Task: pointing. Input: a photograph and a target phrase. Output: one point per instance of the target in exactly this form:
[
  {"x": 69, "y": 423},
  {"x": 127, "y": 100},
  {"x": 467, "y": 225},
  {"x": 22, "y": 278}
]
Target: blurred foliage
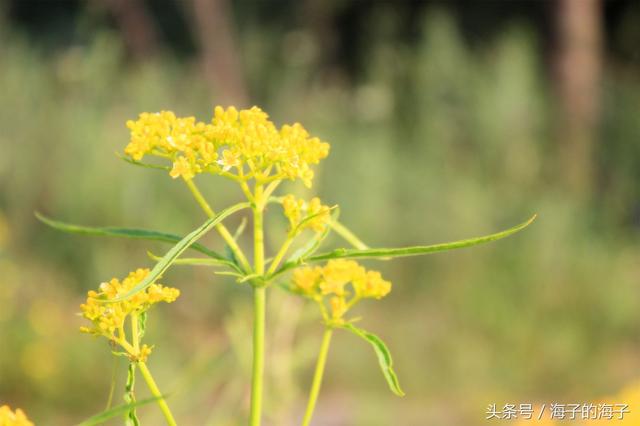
[{"x": 434, "y": 142}]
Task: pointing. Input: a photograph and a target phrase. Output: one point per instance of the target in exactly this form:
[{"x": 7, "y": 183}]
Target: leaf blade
[
  {"x": 167, "y": 260},
  {"x": 140, "y": 163},
  {"x": 418, "y": 250},
  {"x": 198, "y": 261},
  {"x": 115, "y": 411},
  {"x": 384, "y": 356},
  {"x": 133, "y": 233}
]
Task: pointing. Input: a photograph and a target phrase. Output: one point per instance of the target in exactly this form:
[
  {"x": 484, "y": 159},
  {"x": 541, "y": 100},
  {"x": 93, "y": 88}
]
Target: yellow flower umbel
[
  {"x": 241, "y": 145},
  {"x": 302, "y": 215},
  {"x": 329, "y": 287},
  {"x": 13, "y": 418},
  {"x": 108, "y": 319}
]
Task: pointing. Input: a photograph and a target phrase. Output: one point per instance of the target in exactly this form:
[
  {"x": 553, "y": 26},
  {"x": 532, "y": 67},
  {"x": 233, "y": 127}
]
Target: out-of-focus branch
[
  {"x": 214, "y": 30},
  {"x": 578, "y": 66},
  {"x": 136, "y": 25}
]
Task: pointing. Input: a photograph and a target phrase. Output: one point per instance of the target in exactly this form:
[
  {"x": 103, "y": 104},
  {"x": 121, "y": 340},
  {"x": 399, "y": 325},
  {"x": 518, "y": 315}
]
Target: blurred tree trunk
[
  {"x": 578, "y": 67},
  {"x": 136, "y": 25},
  {"x": 214, "y": 30}
]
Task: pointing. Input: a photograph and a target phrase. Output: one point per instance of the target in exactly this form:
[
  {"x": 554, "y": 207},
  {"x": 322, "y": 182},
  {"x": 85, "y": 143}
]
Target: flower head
[
  {"x": 107, "y": 318},
  {"x": 13, "y": 418},
  {"x": 313, "y": 215},
  {"x": 241, "y": 144},
  {"x": 329, "y": 285}
]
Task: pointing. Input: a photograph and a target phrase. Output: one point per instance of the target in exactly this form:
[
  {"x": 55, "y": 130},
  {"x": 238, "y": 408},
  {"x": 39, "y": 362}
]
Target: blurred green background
[{"x": 446, "y": 120}]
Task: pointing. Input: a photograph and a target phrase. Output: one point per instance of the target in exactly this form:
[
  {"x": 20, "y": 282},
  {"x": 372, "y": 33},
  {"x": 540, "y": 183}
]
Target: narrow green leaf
[
  {"x": 240, "y": 229},
  {"x": 309, "y": 218},
  {"x": 384, "y": 356},
  {"x": 130, "y": 418},
  {"x": 198, "y": 261},
  {"x": 142, "y": 324},
  {"x": 135, "y": 233},
  {"x": 141, "y": 164},
  {"x": 314, "y": 243},
  {"x": 417, "y": 250},
  {"x": 115, "y": 412},
  {"x": 173, "y": 254},
  {"x": 387, "y": 253}
]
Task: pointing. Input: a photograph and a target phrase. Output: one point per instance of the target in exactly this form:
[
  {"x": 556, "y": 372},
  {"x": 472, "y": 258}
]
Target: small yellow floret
[
  {"x": 250, "y": 144},
  {"x": 332, "y": 282},
  {"x": 306, "y": 279},
  {"x": 145, "y": 351},
  {"x": 303, "y": 215},
  {"x": 108, "y": 317}
]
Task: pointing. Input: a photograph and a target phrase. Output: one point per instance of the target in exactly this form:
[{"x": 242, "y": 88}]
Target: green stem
[
  {"x": 317, "y": 376},
  {"x": 224, "y": 232},
  {"x": 276, "y": 260},
  {"x": 345, "y": 233},
  {"x": 258, "y": 355},
  {"x": 259, "y": 312},
  {"x": 153, "y": 387}
]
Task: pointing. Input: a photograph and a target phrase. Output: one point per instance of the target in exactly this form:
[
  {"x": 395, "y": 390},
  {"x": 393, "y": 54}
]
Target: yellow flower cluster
[
  {"x": 241, "y": 144},
  {"x": 107, "y": 318},
  {"x": 331, "y": 281},
  {"x": 11, "y": 418},
  {"x": 303, "y": 215}
]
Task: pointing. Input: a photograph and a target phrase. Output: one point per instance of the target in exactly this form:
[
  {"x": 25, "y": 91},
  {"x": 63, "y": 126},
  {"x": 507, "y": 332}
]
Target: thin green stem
[
  {"x": 153, "y": 387},
  {"x": 317, "y": 376},
  {"x": 270, "y": 188},
  {"x": 135, "y": 334},
  {"x": 283, "y": 250},
  {"x": 258, "y": 355},
  {"x": 345, "y": 233},
  {"x": 259, "y": 312},
  {"x": 112, "y": 387},
  {"x": 224, "y": 232}
]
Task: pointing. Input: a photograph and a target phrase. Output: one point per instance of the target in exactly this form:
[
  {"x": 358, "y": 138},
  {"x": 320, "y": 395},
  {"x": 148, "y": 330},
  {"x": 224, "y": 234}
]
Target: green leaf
[
  {"x": 115, "y": 412},
  {"x": 110, "y": 231},
  {"x": 130, "y": 418},
  {"x": 142, "y": 325},
  {"x": 417, "y": 250},
  {"x": 141, "y": 164},
  {"x": 314, "y": 243},
  {"x": 173, "y": 254},
  {"x": 199, "y": 261},
  {"x": 240, "y": 229},
  {"x": 386, "y": 253},
  {"x": 384, "y": 356}
]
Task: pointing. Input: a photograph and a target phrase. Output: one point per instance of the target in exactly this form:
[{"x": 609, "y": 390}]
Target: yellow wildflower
[
  {"x": 145, "y": 351},
  {"x": 182, "y": 167},
  {"x": 337, "y": 273},
  {"x": 306, "y": 280},
  {"x": 303, "y": 215},
  {"x": 372, "y": 285},
  {"x": 108, "y": 317},
  {"x": 332, "y": 280},
  {"x": 248, "y": 141},
  {"x": 13, "y": 418}
]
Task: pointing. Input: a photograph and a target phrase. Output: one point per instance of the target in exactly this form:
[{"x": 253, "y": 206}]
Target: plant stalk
[
  {"x": 153, "y": 387},
  {"x": 259, "y": 312},
  {"x": 317, "y": 376},
  {"x": 222, "y": 230},
  {"x": 283, "y": 250}
]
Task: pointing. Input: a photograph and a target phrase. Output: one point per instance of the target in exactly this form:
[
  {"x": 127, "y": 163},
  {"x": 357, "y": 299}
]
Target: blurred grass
[{"x": 431, "y": 144}]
